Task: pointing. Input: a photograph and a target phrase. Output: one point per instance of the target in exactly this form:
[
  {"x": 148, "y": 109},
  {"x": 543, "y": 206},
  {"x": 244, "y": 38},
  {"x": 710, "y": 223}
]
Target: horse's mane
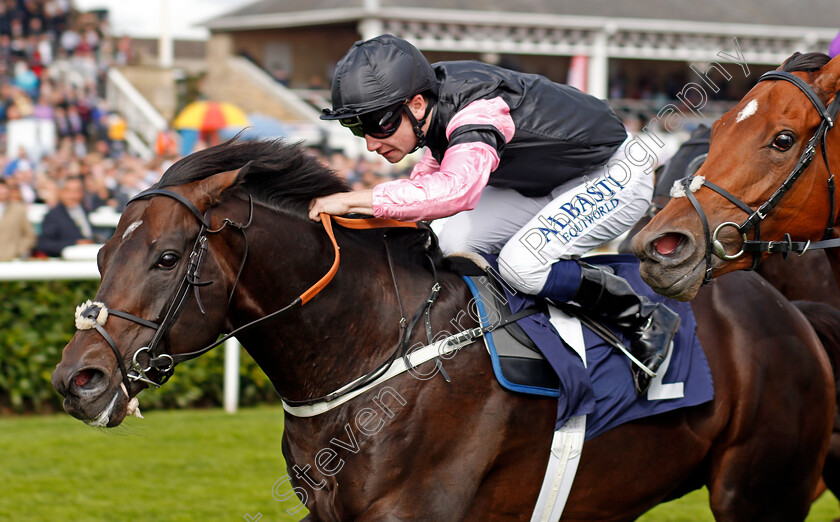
[
  {"x": 281, "y": 175},
  {"x": 286, "y": 178},
  {"x": 807, "y": 62}
]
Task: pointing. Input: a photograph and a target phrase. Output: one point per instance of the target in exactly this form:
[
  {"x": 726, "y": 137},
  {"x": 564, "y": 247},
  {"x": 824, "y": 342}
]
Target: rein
[
  {"x": 94, "y": 315},
  {"x": 755, "y": 246}
]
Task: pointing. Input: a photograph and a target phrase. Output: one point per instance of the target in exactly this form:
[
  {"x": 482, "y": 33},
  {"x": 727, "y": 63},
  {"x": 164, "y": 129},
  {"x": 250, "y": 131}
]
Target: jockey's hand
[{"x": 357, "y": 201}]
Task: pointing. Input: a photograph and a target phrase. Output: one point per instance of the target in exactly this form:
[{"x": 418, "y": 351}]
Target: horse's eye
[
  {"x": 783, "y": 141},
  {"x": 167, "y": 260}
]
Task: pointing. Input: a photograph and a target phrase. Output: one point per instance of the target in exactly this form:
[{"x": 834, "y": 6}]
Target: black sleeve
[{"x": 478, "y": 133}]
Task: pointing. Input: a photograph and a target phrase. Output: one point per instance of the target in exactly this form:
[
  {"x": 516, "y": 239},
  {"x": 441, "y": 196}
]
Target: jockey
[{"x": 529, "y": 169}]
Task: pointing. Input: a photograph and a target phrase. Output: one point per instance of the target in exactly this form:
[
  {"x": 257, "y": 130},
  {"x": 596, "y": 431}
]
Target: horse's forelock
[{"x": 808, "y": 62}]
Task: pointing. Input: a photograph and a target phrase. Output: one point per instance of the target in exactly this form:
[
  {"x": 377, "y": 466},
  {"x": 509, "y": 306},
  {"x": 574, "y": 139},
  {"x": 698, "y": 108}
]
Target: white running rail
[{"x": 75, "y": 270}]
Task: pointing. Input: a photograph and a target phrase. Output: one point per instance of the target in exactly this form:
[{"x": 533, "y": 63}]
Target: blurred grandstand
[{"x": 77, "y": 100}]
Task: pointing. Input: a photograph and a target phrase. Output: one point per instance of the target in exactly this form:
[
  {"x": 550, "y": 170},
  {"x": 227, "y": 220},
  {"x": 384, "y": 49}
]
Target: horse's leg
[
  {"x": 766, "y": 482},
  {"x": 766, "y": 464}
]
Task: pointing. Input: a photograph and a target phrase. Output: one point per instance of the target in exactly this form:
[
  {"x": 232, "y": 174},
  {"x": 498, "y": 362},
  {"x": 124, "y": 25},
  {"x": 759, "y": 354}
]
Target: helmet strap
[{"x": 417, "y": 125}]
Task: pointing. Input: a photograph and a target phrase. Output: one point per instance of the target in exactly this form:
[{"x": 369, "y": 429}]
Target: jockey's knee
[
  {"x": 457, "y": 236},
  {"x": 522, "y": 272}
]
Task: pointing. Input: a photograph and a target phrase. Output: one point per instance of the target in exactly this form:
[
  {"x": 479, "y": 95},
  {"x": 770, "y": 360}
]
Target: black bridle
[
  {"x": 164, "y": 363},
  {"x": 160, "y": 362},
  {"x": 755, "y": 246}
]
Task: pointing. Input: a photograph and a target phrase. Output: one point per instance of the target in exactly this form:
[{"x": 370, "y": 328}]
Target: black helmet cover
[{"x": 378, "y": 73}]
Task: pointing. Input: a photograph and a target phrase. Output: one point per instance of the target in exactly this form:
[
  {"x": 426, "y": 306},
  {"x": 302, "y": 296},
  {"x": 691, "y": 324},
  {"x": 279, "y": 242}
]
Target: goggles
[{"x": 378, "y": 124}]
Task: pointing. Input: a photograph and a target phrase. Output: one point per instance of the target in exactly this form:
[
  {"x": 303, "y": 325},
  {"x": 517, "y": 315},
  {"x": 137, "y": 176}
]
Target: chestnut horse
[
  {"x": 223, "y": 244},
  {"x": 768, "y": 174},
  {"x": 805, "y": 277}
]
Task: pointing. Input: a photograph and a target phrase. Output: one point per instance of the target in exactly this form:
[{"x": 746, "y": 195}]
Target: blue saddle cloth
[{"x": 603, "y": 389}]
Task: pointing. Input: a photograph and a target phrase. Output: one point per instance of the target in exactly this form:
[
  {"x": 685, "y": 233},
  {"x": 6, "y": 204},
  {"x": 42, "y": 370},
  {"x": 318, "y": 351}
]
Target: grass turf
[{"x": 181, "y": 466}]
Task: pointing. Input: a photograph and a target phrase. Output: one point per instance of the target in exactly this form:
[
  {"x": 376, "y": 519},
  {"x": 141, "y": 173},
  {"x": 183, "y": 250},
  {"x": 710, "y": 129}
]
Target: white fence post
[{"x": 231, "y": 375}]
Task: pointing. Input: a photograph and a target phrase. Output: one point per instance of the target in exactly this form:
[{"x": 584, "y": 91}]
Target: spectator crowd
[
  {"x": 52, "y": 66},
  {"x": 53, "y": 62}
]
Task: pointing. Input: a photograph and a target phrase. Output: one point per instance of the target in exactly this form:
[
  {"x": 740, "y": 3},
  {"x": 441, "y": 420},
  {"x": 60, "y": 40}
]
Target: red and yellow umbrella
[{"x": 209, "y": 116}]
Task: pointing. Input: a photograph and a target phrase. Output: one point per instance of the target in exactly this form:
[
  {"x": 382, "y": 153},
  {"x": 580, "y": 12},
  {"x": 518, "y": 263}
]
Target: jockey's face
[{"x": 396, "y": 146}]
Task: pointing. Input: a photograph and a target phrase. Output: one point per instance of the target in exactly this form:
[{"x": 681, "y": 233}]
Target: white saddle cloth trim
[
  {"x": 566, "y": 447},
  {"x": 570, "y": 331},
  {"x": 658, "y": 390}
]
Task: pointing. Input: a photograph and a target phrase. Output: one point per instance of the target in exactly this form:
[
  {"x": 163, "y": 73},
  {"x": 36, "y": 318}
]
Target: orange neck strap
[{"x": 356, "y": 224}]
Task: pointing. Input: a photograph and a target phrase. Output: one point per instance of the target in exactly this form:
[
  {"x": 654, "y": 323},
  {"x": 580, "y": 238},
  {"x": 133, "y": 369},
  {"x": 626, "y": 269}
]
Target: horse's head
[
  {"x": 755, "y": 152},
  {"x": 156, "y": 272}
]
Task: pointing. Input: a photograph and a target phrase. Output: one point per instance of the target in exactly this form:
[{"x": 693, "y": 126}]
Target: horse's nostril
[
  {"x": 88, "y": 379},
  {"x": 82, "y": 377},
  {"x": 667, "y": 244}
]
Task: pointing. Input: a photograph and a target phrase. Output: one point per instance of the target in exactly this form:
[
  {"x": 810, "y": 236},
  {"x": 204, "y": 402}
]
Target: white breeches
[{"x": 530, "y": 234}]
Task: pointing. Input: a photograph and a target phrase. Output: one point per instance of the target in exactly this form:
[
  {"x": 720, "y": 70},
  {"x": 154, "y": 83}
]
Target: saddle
[
  {"x": 582, "y": 367},
  {"x": 517, "y": 362}
]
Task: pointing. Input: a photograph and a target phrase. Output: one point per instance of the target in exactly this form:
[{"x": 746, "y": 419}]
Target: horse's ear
[
  {"x": 214, "y": 187},
  {"x": 829, "y": 79}
]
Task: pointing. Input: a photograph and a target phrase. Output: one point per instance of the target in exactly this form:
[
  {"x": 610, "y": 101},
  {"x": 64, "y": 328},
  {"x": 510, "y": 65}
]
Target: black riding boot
[{"x": 651, "y": 326}]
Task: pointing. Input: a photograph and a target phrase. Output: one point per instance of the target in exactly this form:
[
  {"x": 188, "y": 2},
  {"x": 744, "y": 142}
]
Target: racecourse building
[{"x": 642, "y": 55}]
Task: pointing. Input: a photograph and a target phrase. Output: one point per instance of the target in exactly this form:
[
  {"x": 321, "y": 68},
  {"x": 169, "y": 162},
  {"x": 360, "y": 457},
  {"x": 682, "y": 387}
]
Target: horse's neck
[
  {"x": 345, "y": 331},
  {"x": 832, "y": 149}
]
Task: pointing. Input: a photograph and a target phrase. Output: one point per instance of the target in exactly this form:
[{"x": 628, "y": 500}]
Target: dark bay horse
[{"x": 226, "y": 240}]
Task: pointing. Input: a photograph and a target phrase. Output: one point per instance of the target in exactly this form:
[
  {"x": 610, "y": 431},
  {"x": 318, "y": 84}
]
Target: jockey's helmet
[{"x": 374, "y": 81}]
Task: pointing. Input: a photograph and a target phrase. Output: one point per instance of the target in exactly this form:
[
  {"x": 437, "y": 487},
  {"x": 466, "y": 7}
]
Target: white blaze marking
[
  {"x": 131, "y": 228},
  {"x": 748, "y": 111}
]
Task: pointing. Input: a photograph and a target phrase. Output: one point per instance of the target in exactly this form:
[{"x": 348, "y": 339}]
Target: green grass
[
  {"x": 181, "y": 466},
  {"x": 694, "y": 507},
  {"x": 173, "y": 465}
]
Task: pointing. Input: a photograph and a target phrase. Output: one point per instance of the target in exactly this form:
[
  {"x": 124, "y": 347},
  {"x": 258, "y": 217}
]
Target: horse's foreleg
[{"x": 765, "y": 479}]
